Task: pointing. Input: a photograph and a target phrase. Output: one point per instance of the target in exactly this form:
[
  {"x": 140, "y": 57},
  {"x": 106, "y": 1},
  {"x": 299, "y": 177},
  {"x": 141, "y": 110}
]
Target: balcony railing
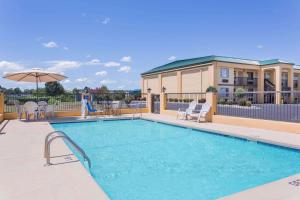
[{"x": 245, "y": 81}]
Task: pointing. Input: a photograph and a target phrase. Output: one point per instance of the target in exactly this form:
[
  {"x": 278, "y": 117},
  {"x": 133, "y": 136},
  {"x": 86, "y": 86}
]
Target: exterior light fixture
[
  {"x": 163, "y": 89},
  {"x": 149, "y": 90}
]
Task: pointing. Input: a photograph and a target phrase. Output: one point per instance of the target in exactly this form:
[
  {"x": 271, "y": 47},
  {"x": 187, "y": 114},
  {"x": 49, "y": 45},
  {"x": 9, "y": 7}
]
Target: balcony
[{"x": 245, "y": 81}]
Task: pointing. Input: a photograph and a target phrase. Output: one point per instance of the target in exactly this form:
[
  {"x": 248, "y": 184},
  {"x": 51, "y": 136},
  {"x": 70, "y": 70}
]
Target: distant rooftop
[{"x": 207, "y": 59}]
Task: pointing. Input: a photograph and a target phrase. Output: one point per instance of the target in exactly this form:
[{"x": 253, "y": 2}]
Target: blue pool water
[{"x": 138, "y": 159}]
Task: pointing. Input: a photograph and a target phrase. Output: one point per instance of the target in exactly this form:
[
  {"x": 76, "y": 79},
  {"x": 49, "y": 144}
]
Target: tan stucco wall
[
  {"x": 198, "y": 77},
  {"x": 169, "y": 81},
  {"x": 151, "y": 82},
  {"x": 258, "y": 123}
]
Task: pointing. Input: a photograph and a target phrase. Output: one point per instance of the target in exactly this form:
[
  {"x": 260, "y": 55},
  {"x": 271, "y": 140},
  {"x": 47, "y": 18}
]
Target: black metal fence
[
  {"x": 280, "y": 106},
  {"x": 182, "y": 101}
]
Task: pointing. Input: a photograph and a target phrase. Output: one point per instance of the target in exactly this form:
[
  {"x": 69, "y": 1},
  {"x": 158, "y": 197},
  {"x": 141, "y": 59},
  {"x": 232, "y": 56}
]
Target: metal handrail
[{"x": 65, "y": 137}]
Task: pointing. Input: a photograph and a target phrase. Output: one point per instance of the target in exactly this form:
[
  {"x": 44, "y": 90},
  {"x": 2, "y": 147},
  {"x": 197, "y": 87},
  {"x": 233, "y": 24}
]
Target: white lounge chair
[
  {"x": 183, "y": 114},
  {"x": 31, "y": 108},
  {"x": 202, "y": 115}
]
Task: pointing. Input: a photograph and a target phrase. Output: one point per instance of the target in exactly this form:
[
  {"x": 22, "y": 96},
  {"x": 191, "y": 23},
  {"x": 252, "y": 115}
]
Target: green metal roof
[{"x": 207, "y": 59}]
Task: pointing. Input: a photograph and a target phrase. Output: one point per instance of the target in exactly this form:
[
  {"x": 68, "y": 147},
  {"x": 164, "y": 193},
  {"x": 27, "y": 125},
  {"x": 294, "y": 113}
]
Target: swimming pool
[{"x": 139, "y": 159}]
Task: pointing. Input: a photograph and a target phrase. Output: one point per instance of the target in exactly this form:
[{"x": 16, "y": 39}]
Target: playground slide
[{"x": 90, "y": 108}]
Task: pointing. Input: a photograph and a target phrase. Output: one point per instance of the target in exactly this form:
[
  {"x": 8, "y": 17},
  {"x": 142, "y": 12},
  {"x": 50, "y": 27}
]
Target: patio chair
[
  {"x": 202, "y": 115},
  {"x": 183, "y": 114},
  {"x": 116, "y": 107},
  {"x": 18, "y": 109},
  {"x": 42, "y": 109},
  {"x": 31, "y": 108}
]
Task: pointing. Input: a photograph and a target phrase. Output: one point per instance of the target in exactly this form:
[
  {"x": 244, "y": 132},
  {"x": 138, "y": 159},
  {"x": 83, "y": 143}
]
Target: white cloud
[
  {"x": 82, "y": 80},
  {"x": 63, "y": 65},
  {"x": 107, "y": 81},
  {"x": 101, "y": 73},
  {"x": 126, "y": 59},
  {"x": 112, "y": 64},
  {"x": 172, "y": 58},
  {"x": 50, "y": 44},
  {"x": 10, "y": 66},
  {"x": 94, "y": 62},
  {"x": 66, "y": 81},
  {"x": 106, "y": 20},
  {"x": 260, "y": 46},
  {"x": 125, "y": 69},
  {"x": 66, "y": 48}
]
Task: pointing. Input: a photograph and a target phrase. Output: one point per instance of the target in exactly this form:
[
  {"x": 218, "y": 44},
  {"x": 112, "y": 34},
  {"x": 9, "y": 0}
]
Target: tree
[
  {"x": 17, "y": 91},
  {"x": 54, "y": 88}
]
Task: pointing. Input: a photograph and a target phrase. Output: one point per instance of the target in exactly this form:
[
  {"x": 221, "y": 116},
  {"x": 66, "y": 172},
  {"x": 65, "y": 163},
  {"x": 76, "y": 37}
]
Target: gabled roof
[{"x": 207, "y": 59}]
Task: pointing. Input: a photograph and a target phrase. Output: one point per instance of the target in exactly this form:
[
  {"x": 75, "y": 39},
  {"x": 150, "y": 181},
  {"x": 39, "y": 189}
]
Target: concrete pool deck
[{"x": 24, "y": 174}]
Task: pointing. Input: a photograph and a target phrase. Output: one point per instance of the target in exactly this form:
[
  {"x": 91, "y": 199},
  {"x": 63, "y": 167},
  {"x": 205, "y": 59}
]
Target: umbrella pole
[{"x": 37, "y": 89}]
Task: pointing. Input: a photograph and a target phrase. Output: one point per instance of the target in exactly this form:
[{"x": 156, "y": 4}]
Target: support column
[
  {"x": 1, "y": 107},
  {"x": 149, "y": 102},
  {"x": 179, "y": 82},
  {"x": 278, "y": 80},
  {"x": 261, "y": 85},
  {"x": 211, "y": 98},
  {"x": 163, "y": 102},
  {"x": 159, "y": 82},
  {"x": 291, "y": 83},
  {"x": 212, "y": 74}
]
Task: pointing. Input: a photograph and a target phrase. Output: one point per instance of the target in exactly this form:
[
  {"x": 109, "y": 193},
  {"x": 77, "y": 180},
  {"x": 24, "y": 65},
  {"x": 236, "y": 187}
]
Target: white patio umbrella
[{"x": 35, "y": 75}]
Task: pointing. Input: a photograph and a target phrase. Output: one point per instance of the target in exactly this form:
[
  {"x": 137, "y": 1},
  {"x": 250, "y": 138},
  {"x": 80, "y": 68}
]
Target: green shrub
[
  {"x": 175, "y": 100},
  {"x": 201, "y": 100},
  {"x": 222, "y": 101},
  {"x": 53, "y": 101},
  {"x": 239, "y": 92},
  {"x": 242, "y": 103},
  {"x": 171, "y": 100},
  {"x": 211, "y": 89},
  {"x": 248, "y": 103},
  {"x": 230, "y": 102}
]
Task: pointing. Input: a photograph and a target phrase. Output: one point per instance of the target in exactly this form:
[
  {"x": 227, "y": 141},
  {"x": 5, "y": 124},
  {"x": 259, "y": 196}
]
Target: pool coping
[{"x": 229, "y": 134}]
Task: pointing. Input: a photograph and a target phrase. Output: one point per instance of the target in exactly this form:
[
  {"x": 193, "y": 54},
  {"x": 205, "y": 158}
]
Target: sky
[{"x": 95, "y": 42}]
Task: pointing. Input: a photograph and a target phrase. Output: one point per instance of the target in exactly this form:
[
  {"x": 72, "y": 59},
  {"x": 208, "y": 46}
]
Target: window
[
  {"x": 296, "y": 80},
  {"x": 224, "y": 73},
  {"x": 224, "y": 92}
]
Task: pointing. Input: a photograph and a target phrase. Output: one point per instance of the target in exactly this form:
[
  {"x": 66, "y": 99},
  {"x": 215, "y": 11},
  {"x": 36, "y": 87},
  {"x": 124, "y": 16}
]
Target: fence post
[
  {"x": 163, "y": 101},
  {"x": 149, "y": 102},
  {"x": 1, "y": 107},
  {"x": 211, "y": 97}
]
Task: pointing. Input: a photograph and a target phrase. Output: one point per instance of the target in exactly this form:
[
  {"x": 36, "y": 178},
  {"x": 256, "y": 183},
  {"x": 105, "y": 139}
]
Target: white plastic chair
[
  {"x": 116, "y": 107},
  {"x": 203, "y": 112},
  {"x": 42, "y": 109},
  {"x": 18, "y": 109},
  {"x": 31, "y": 108},
  {"x": 188, "y": 111}
]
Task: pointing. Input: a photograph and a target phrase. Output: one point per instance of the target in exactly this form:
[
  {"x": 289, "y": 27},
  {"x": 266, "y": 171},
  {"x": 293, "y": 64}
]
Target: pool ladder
[{"x": 60, "y": 134}]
